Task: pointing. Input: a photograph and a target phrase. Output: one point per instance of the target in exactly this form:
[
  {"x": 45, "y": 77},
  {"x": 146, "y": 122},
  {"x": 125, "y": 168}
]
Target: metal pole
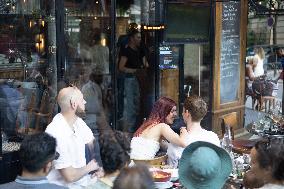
[{"x": 114, "y": 65}]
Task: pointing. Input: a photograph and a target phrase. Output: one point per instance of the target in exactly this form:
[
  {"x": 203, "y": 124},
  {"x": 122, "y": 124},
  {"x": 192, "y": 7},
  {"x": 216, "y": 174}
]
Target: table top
[{"x": 267, "y": 127}]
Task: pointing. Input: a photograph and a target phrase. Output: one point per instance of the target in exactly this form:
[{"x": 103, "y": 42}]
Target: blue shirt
[{"x": 31, "y": 183}]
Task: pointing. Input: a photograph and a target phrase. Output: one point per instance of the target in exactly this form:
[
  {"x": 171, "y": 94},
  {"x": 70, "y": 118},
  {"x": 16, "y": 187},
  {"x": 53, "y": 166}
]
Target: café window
[{"x": 27, "y": 68}]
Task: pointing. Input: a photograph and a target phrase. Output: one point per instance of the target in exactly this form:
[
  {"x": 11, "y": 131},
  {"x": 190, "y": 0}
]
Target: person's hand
[
  {"x": 183, "y": 131},
  {"x": 99, "y": 173},
  {"x": 232, "y": 187},
  {"x": 92, "y": 166}
]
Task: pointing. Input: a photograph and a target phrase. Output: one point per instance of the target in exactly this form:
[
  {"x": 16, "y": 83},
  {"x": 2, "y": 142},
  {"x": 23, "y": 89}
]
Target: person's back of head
[
  {"x": 36, "y": 151},
  {"x": 114, "y": 150},
  {"x": 68, "y": 97},
  {"x": 270, "y": 156},
  {"x": 196, "y": 106},
  {"x": 136, "y": 177},
  {"x": 260, "y": 52}
]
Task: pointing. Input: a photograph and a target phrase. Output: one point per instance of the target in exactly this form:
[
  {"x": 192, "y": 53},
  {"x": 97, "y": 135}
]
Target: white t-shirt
[
  {"x": 272, "y": 186},
  {"x": 174, "y": 152},
  {"x": 70, "y": 146}
]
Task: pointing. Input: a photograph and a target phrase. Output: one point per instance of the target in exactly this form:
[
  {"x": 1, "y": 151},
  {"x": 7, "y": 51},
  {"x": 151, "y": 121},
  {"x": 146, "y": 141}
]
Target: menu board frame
[{"x": 217, "y": 104}]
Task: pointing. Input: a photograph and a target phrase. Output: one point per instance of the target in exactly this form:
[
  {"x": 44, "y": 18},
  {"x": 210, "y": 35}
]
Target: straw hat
[{"x": 204, "y": 165}]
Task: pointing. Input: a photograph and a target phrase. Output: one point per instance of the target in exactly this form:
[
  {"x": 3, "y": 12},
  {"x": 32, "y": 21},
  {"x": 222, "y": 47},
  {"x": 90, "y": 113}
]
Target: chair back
[{"x": 230, "y": 120}]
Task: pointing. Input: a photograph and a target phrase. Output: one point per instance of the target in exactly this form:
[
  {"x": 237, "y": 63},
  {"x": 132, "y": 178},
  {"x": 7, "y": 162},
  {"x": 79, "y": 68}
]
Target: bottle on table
[{"x": 227, "y": 140}]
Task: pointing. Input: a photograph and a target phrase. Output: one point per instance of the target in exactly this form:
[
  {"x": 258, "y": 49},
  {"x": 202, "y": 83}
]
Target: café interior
[{"x": 48, "y": 45}]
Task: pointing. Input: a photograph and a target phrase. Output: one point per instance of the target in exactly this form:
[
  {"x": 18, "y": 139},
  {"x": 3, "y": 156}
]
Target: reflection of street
[
  {"x": 280, "y": 90},
  {"x": 253, "y": 115},
  {"x": 270, "y": 74}
]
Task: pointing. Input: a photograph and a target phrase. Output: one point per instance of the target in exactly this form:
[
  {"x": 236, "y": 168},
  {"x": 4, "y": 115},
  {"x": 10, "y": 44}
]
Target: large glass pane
[
  {"x": 264, "y": 69},
  {"x": 135, "y": 82},
  {"x": 169, "y": 66},
  {"x": 27, "y": 68},
  {"x": 87, "y": 39},
  {"x": 197, "y": 70}
]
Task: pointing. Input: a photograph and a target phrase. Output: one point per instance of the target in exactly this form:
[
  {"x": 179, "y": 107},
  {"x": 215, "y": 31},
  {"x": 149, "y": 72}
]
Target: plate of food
[
  {"x": 161, "y": 176},
  {"x": 163, "y": 185},
  {"x": 173, "y": 172}
]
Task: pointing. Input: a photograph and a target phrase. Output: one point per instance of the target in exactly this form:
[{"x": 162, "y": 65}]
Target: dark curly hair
[
  {"x": 196, "y": 106},
  {"x": 136, "y": 177},
  {"x": 271, "y": 154},
  {"x": 114, "y": 150},
  {"x": 160, "y": 111},
  {"x": 36, "y": 151}
]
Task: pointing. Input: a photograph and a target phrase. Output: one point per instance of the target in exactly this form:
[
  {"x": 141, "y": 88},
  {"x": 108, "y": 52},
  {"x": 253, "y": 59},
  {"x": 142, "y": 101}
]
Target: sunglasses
[{"x": 56, "y": 156}]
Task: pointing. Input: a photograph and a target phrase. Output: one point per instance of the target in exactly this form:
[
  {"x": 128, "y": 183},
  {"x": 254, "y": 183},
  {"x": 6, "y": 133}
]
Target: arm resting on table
[{"x": 71, "y": 174}]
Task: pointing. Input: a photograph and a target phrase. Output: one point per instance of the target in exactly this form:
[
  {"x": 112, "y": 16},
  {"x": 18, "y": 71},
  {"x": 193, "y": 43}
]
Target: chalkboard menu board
[
  {"x": 230, "y": 52},
  {"x": 169, "y": 56}
]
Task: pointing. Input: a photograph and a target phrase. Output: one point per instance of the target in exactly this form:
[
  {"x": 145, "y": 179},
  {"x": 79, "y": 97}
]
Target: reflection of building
[{"x": 260, "y": 33}]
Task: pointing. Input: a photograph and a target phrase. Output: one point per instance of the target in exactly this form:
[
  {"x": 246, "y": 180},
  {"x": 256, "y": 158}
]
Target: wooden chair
[
  {"x": 239, "y": 145},
  {"x": 250, "y": 93},
  {"x": 268, "y": 101},
  {"x": 44, "y": 112},
  {"x": 26, "y": 120}
]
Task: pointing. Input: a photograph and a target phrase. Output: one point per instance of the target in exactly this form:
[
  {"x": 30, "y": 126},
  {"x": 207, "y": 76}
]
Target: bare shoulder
[{"x": 163, "y": 125}]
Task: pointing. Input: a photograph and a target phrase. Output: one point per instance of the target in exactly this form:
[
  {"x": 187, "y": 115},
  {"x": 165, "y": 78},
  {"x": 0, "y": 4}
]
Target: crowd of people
[
  {"x": 87, "y": 153},
  {"x": 57, "y": 158}
]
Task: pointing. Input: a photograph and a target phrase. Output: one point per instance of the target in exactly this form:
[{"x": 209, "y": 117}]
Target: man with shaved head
[{"x": 72, "y": 134}]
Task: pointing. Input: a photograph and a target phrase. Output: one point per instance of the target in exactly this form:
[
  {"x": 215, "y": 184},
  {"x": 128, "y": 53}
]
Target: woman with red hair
[{"x": 146, "y": 141}]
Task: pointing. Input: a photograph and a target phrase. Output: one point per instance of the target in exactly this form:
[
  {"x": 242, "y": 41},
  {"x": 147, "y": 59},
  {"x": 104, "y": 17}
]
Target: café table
[
  {"x": 268, "y": 127},
  {"x": 174, "y": 182}
]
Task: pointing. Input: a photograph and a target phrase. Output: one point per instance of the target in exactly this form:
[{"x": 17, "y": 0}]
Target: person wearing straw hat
[{"x": 204, "y": 165}]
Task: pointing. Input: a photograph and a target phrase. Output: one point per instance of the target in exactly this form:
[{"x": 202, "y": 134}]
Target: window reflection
[
  {"x": 87, "y": 38},
  {"x": 197, "y": 70},
  {"x": 27, "y": 90}
]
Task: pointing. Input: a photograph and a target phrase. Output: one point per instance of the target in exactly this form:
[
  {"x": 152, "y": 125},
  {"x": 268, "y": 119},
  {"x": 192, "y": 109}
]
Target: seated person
[
  {"x": 267, "y": 165},
  {"x": 72, "y": 135},
  {"x": 136, "y": 177},
  {"x": 257, "y": 84},
  {"x": 204, "y": 165},
  {"x": 249, "y": 76},
  {"x": 194, "y": 109},
  {"x": 36, "y": 155},
  {"x": 114, "y": 149},
  {"x": 146, "y": 141}
]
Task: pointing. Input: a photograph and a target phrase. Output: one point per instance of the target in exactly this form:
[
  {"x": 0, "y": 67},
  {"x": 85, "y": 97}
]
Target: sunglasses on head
[{"x": 56, "y": 156}]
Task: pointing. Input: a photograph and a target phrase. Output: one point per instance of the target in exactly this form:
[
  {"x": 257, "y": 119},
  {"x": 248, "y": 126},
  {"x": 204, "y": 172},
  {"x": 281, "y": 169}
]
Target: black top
[{"x": 134, "y": 57}]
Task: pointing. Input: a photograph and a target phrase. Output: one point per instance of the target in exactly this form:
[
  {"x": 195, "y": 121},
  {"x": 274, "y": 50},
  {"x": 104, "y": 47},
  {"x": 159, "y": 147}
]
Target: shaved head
[{"x": 66, "y": 96}]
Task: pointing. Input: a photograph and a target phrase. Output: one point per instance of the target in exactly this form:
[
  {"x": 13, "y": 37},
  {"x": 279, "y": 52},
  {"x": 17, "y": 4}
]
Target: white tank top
[{"x": 258, "y": 69}]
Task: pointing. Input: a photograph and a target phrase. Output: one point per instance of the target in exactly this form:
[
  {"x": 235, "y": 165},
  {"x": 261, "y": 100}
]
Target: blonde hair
[{"x": 260, "y": 52}]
